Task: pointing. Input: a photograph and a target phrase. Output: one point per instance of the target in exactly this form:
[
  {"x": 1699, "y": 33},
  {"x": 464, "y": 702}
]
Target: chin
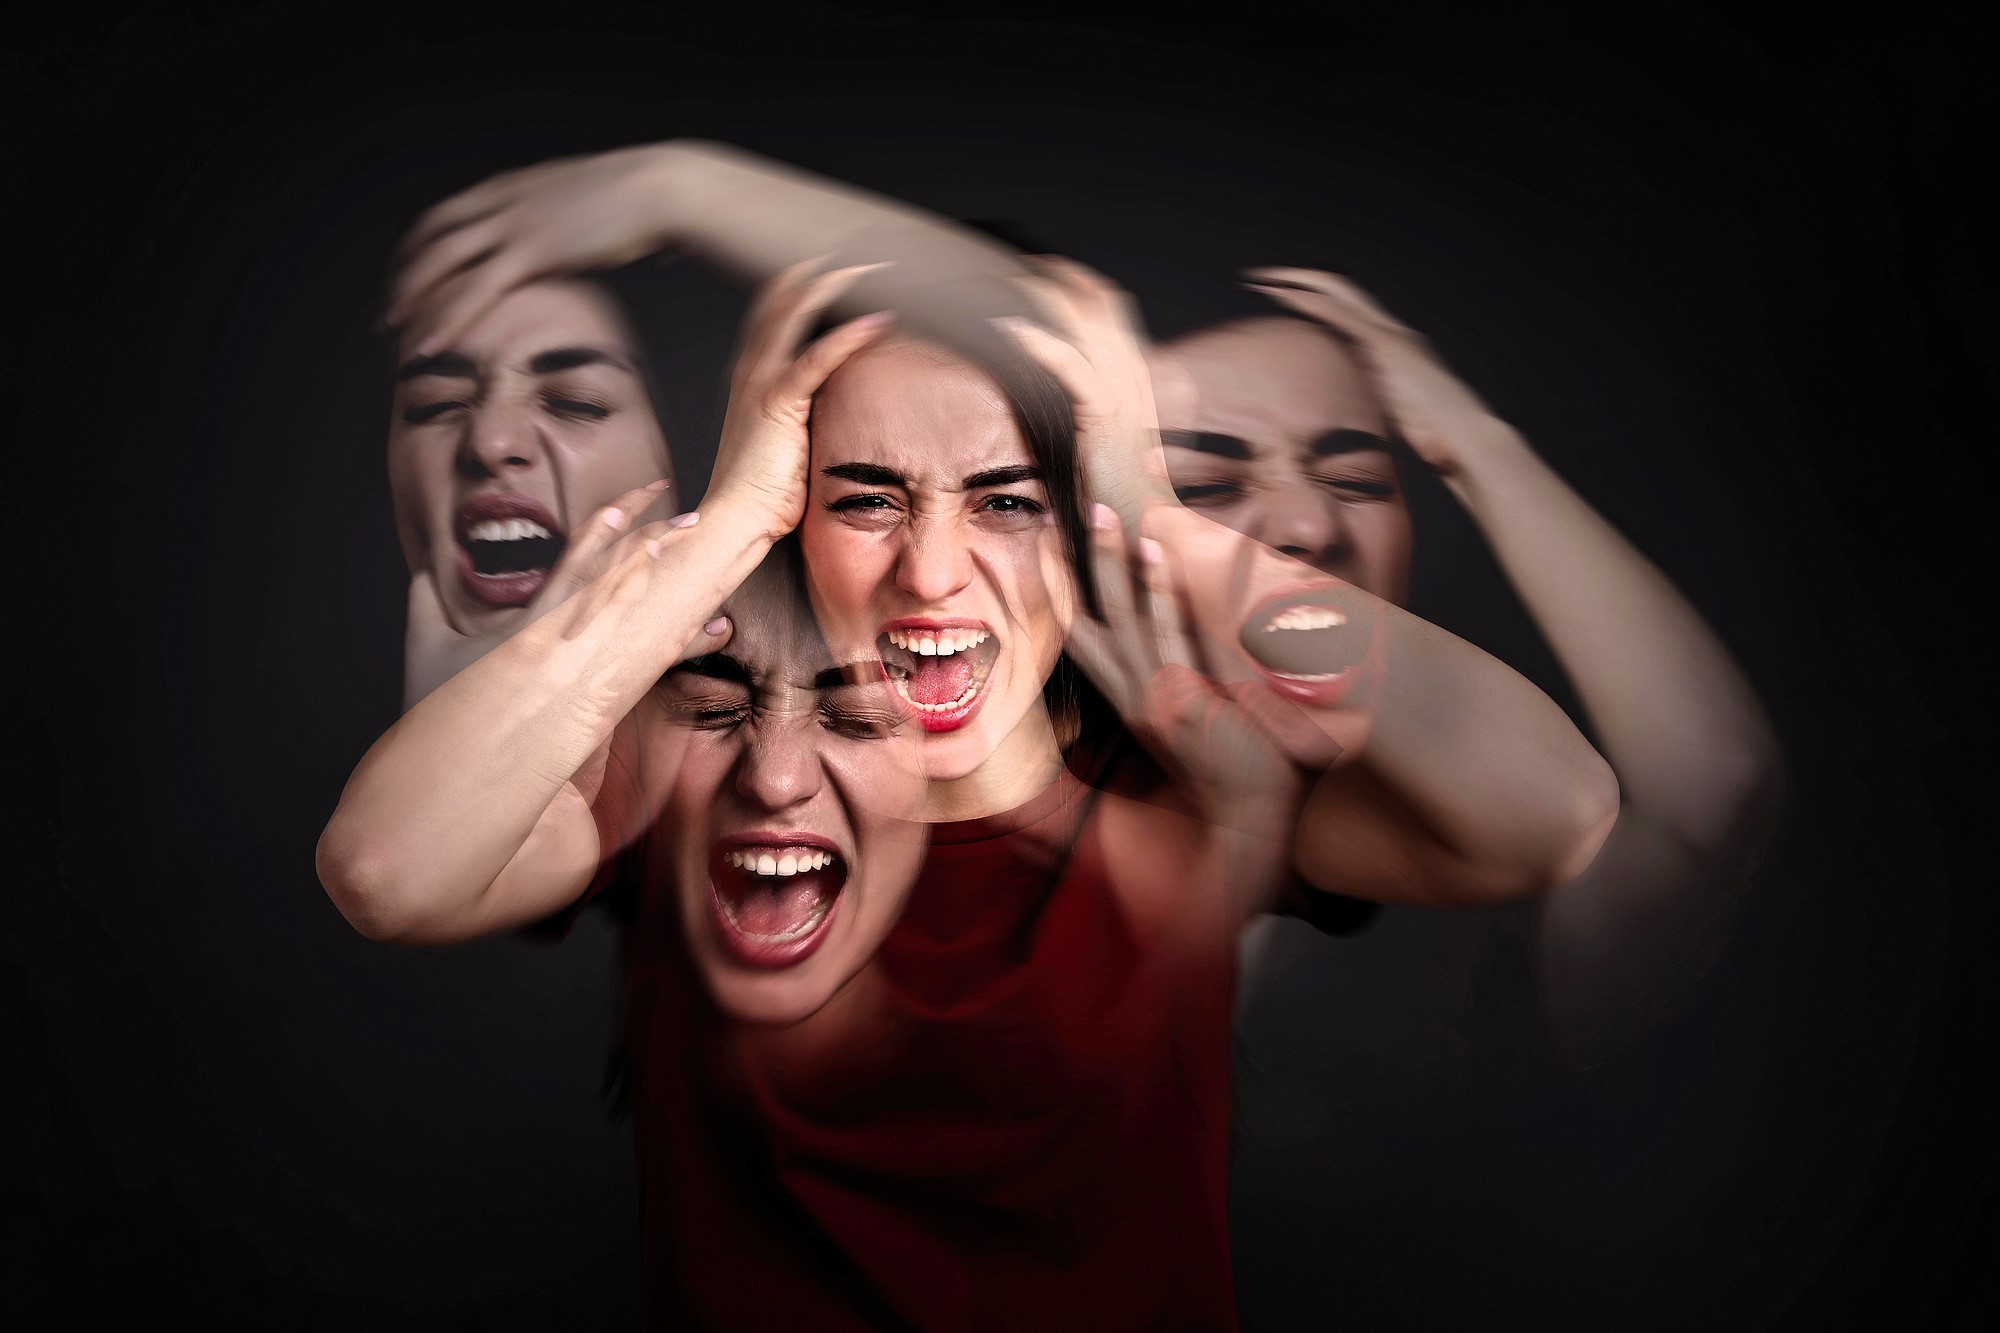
[{"x": 772, "y": 1001}]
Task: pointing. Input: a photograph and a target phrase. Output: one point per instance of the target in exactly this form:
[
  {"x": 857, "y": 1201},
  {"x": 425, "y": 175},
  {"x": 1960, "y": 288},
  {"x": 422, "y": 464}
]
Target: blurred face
[
  {"x": 793, "y": 787},
  {"x": 498, "y": 447},
  {"x": 1276, "y": 434},
  {"x": 929, "y": 543}
]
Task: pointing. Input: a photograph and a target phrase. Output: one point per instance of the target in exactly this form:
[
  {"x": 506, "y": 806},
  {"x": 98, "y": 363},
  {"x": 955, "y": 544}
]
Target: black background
[{"x": 1727, "y": 272}]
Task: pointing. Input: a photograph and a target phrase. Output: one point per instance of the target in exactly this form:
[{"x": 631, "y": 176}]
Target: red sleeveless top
[{"x": 1025, "y": 1128}]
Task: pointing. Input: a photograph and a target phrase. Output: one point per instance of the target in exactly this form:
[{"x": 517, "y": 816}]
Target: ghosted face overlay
[
  {"x": 793, "y": 786},
  {"x": 1282, "y": 439},
  {"x": 501, "y": 445},
  {"x": 929, "y": 544}
]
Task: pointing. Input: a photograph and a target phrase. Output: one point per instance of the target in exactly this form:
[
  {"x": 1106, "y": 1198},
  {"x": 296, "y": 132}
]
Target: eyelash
[
  {"x": 875, "y": 501},
  {"x": 569, "y": 409}
]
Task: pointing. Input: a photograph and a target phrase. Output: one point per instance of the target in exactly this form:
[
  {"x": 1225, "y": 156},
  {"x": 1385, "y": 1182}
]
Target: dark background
[{"x": 1725, "y": 271}]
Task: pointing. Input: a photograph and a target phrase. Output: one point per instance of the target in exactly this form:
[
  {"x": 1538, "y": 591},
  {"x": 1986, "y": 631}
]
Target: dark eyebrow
[
  {"x": 569, "y": 358},
  {"x": 867, "y": 474},
  {"x": 1002, "y": 476},
  {"x": 1207, "y": 442},
  {"x": 867, "y": 671},
  {"x": 451, "y": 365},
  {"x": 1345, "y": 442},
  {"x": 714, "y": 666}
]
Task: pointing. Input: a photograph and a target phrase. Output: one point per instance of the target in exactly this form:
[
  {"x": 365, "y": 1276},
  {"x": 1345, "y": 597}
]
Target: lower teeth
[{"x": 903, "y": 688}]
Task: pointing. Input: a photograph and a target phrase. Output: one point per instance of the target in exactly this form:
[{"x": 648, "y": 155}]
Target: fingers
[
  {"x": 712, "y": 637},
  {"x": 583, "y": 556},
  {"x": 448, "y": 255},
  {"x": 1070, "y": 367},
  {"x": 1326, "y": 297},
  {"x": 785, "y": 308},
  {"x": 458, "y": 303},
  {"x": 1172, "y": 646},
  {"x": 819, "y": 361}
]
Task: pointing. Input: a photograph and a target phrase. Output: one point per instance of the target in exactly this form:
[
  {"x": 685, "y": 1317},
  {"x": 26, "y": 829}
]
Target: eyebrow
[
  {"x": 451, "y": 365},
  {"x": 1346, "y": 441},
  {"x": 714, "y": 666},
  {"x": 874, "y": 474},
  {"x": 863, "y": 672},
  {"x": 1207, "y": 442},
  {"x": 569, "y": 358}
]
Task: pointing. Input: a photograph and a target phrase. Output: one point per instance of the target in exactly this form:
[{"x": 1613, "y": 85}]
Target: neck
[{"x": 1020, "y": 768}]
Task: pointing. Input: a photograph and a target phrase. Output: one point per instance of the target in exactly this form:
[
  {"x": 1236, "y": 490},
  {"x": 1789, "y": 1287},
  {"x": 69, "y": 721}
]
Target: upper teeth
[
  {"x": 937, "y": 643},
  {"x": 780, "y": 861},
  {"x": 1305, "y": 617},
  {"x": 506, "y": 530}
]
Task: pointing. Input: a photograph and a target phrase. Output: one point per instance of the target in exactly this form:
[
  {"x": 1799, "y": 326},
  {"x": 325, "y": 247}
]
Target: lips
[
  {"x": 1307, "y": 642},
  {"x": 506, "y": 546},
  {"x": 775, "y": 895},
  {"x": 939, "y": 667}
]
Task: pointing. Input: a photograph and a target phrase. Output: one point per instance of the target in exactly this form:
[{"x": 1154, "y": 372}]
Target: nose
[
  {"x": 1303, "y": 522},
  {"x": 499, "y": 438},
  {"x": 778, "y": 768},
  {"x": 935, "y": 562}
]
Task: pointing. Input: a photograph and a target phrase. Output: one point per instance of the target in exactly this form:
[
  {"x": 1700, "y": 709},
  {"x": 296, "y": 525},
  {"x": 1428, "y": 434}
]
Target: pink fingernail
[
  {"x": 687, "y": 520},
  {"x": 614, "y": 519},
  {"x": 1151, "y": 552},
  {"x": 715, "y": 626},
  {"x": 659, "y": 485},
  {"x": 653, "y": 547},
  {"x": 1102, "y": 518}
]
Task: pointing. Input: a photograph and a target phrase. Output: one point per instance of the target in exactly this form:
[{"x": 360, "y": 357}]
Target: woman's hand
[
  {"x": 1098, "y": 352},
  {"x": 570, "y": 215},
  {"x": 1218, "y": 742},
  {"x": 760, "y": 463},
  {"x": 1433, "y": 410}
]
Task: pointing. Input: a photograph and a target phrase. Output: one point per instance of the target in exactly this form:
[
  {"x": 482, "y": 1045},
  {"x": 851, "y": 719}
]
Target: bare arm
[
  {"x": 1698, "y": 765},
  {"x": 749, "y": 216},
  {"x": 474, "y": 812},
  {"x": 1444, "y": 776}
]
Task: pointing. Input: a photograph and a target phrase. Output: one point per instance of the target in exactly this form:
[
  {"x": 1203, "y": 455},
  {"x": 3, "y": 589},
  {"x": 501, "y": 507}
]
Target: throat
[{"x": 1021, "y": 767}]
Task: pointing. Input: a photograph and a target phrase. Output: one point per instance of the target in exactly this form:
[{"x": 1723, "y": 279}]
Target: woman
[
  {"x": 1281, "y": 427},
  {"x": 1096, "y": 1010}
]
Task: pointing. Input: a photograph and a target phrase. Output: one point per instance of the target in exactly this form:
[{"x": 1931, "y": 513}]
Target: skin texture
[
  {"x": 930, "y": 546},
  {"x": 784, "y": 753},
  {"x": 1622, "y": 943},
  {"x": 570, "y": 440},
  {"x": 1278, "y": 388}
]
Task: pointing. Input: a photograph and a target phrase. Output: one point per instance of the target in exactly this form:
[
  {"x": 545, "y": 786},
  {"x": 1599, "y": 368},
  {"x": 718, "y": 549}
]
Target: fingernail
[
  {"x": 875, "y": 320},
  {"x": 659, "y": 485},
  {"x": 614, "y": 519},
  {"x": 1150, "y": 552},
  {"x": 652, "y": 547},
  {"x": 1102, "y": 518},
  {"x": 687, "y": 520},
  {"x": 715, "y": 626}
]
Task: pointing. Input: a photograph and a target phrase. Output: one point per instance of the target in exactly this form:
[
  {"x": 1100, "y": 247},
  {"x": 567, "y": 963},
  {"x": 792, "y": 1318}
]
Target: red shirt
[{"x": 1028, "y": 1129}]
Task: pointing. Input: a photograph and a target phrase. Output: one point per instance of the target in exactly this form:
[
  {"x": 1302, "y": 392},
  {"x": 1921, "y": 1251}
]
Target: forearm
[
  {"x": 1511, "y": 793},
  {"x": 1692, "y": 748},
  {"x": 454, "y": 792}
]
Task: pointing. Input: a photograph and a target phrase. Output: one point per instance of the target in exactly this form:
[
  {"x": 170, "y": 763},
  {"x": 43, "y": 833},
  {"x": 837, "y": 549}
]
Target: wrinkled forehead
[
  {"x": 906, "y": 403},
  {"x": 774, "y": 633},
  {"x": 557, "y": 313},
  {"x": 1272, "y": 377}
]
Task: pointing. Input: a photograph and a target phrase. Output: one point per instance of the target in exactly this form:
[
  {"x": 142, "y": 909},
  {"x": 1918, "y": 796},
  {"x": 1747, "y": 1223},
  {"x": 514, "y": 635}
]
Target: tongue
[
  {"x": 939, "y": 680},
  {"x": 778, "y": 910}
]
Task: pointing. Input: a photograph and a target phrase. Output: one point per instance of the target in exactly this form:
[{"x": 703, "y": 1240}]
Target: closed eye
[
  {"x": 576, "y": 409},
  {"x": 1197, "y": 494},
  {"x": 1359, "y": 487},
  {"x": 418, "y": 414}
]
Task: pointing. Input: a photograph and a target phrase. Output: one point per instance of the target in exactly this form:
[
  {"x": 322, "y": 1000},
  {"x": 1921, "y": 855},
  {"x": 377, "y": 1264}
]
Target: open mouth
[
  {"x": 775, "y": 895},
  {"x": 940, "y": 668},
  {"x": 507, "y": 544},
  {"x": 1306, "y": 643}
]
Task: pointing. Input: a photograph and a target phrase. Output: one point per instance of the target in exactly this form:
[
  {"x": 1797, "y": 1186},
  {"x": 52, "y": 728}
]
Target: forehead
[
  {"x": 544, "y": 315},
  {"x": 917, "y": 409},
  {"x": 1274, "y": 380},
  {"x": 775, "y": 634}
]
